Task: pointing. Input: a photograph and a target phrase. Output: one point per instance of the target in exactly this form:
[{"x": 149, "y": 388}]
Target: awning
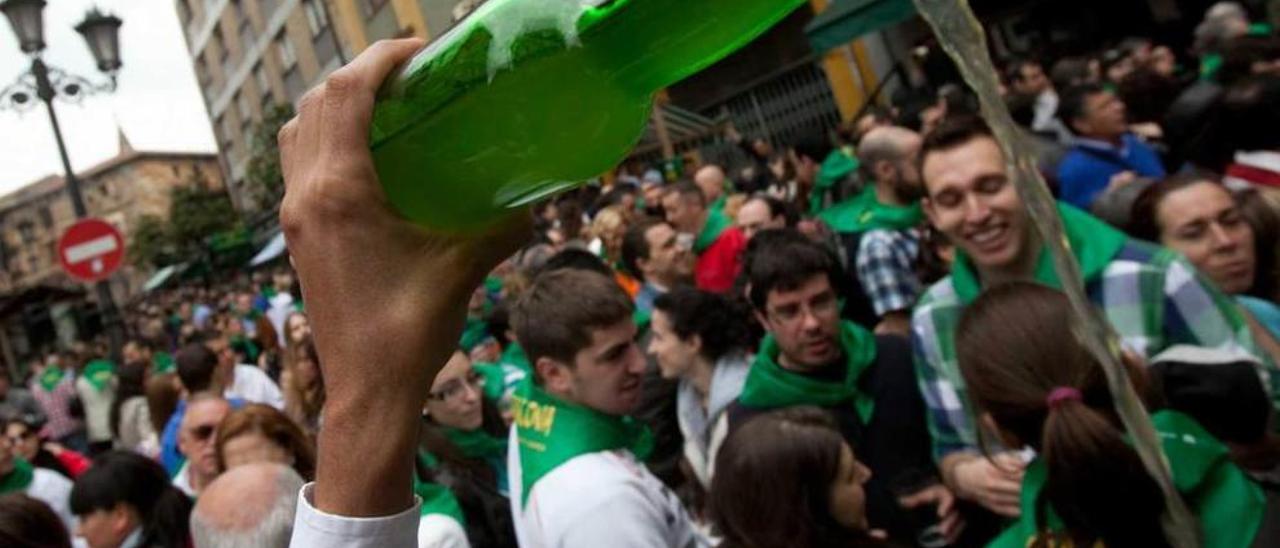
[
  {"x": 845, "y": 20},
  {"x": 269, "y": 252},
  {"x": 161, "y": 276}
]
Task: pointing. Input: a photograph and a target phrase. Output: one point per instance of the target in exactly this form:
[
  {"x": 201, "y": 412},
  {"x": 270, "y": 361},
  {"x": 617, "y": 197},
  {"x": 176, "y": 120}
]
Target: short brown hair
[
  {"x": 556, "y": 316},
  {"x": 274, "y": 425}
]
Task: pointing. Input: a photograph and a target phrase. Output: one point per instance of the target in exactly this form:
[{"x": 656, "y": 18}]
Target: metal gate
[{"x": 781, "y": 108}]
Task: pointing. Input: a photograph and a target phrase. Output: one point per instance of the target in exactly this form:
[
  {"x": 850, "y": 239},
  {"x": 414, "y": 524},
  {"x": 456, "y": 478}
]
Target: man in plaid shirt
[
  {"x": 886, "y": 256},
  {"x": 1153, "y": 298}
]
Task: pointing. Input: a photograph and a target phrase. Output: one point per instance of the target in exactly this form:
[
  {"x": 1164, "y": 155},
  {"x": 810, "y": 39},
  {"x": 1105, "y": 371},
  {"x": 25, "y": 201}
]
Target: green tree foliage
[
  {"x": 195, "y": 214},
  {"x": 264, "y": 179},
  {"x": 149, "y": 242}
]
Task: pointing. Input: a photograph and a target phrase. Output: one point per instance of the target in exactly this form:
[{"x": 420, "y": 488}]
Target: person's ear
[
  {"x": 883, "y": 170},
  {"x": 557, "y": 378},
  {"x": 695, "y": 342},
  {"x": 763, "y": 319}
]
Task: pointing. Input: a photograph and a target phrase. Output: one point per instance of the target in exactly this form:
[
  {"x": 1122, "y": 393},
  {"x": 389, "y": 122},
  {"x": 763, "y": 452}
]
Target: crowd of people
[{"x": 850, "y": 340}]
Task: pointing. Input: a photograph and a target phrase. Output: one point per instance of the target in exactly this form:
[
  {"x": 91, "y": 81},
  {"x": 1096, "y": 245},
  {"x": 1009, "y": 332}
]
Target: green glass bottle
[{"x": 526, "y": 98}]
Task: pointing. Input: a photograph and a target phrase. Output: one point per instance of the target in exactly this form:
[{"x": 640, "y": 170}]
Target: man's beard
[{"x": 908, "y": 193}]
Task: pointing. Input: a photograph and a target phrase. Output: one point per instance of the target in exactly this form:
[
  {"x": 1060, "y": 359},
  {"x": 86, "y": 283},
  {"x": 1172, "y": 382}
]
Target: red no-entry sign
[{"x": 91, "y": 250}]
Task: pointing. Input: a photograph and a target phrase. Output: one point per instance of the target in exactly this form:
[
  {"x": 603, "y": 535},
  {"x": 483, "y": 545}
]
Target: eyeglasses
[
  {"x": 204, "y": 432},
  {"x": 455, "y": 388}
]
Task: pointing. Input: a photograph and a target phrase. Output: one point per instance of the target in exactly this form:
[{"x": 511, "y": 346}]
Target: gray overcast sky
[{"x": 157, "y": 104}]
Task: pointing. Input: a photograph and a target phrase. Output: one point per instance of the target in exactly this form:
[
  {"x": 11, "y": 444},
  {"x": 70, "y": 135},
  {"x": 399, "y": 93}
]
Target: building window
[
  {"x": 317, "y": 20},
  {"x": 288, "y": 57},
  {"x": 371, "y": 7},
  {"x": 27, "y": 230},
  {"x": 46, "y": 217}
]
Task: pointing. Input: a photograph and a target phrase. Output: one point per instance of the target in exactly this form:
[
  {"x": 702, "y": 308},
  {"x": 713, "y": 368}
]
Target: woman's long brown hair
[{"x": 1015, "y": 346}]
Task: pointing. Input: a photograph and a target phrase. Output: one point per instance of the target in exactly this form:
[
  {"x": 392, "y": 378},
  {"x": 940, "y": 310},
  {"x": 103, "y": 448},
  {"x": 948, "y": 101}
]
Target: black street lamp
[{"x": 102, "y": 34}]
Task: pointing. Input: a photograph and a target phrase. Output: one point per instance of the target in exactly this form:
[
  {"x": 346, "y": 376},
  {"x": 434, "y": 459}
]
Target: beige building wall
[
  {"x": 120, "y": 191},
  {"x": 250, "y": 55}
]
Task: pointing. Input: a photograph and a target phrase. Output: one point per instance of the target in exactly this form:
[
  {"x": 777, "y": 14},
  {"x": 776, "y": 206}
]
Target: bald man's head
[
  {"x": 888, "y": 155},
  {"x": 711, "y": 180},
  {"x": 248, "y": 506}
]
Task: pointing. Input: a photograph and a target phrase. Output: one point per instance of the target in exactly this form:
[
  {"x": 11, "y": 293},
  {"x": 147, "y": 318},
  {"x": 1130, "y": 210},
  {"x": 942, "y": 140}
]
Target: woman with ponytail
[
  {"x": 1035, "y": 386},
  {"x": 126, "y": 500}
]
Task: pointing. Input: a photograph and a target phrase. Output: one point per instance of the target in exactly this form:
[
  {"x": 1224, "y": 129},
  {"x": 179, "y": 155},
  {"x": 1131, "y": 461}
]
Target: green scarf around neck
[
  {"x": 477, "y": 444},
  {"x": 837, "y": 165},
  {"x": 19, "y": 479},
  {"x": 514, "y": 355},
  {"x": 51, "y": 377},
  {"x": 162, "y": 362},
  {"x": 99, "y": 373},
  {"x": 552, "y": 431},
  {"x": 769, "y": 386},
  {"x": 716, "y": 224},
  {"x": 436, "y": 498},
  {"x": 864, "y": 212},
  {"x": 1093, "y": 243},
  {"x": 474, "y": 332}
]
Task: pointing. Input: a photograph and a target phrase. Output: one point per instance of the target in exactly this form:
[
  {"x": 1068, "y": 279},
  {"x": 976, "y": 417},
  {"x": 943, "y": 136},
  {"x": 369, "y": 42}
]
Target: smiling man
[
  {"x": 575, "y": 458},
  {"x": 1152, "y": 298}
]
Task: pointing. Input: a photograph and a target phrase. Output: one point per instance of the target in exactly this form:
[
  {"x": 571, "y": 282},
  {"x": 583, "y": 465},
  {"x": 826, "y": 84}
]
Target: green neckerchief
[
  {"x": 838, "y": 165},
  {"x": 1228, "y": 504},
  {"x": 51, "y": 377},
  {"x": 247, "y": 346},
  {"x": 99, "y": 373},
  {"x": 162, "y": 362},
  {"x": 477, "y": 444},
  {"x": 769, "y": 386},
  {"x": 474, "y": 333},
  {"x": 552, "y": 431},
  {"x": 436, "y": 498},
  {"x": 493, "y": 285},
  {"x": 19, "y": 479},
  {"x": 864, "y": 212},
  {"x": 1093, "y": 242},
  {"x": 716, "y": 224},
  {"x": 494, "y": 379},
  {"x": 718, "y": 205},
  {"x": 514, "y": 355},
  {"x": 641, "y": 318}
]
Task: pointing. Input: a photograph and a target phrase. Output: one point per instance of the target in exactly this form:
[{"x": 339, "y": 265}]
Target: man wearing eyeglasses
[
  {"x": 811, "y": 357},
  {"x": 196, "y": 442}
]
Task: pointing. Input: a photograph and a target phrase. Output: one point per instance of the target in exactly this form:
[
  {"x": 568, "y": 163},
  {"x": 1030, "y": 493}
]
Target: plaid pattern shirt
[
  {"x": 57, "y": 407},
  {"x": 886, "y": 268},
  {"x": 1153, "y": 298}
]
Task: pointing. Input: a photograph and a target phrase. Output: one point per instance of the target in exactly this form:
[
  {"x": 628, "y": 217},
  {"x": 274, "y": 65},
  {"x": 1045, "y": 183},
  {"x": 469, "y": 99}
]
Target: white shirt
[
  {"x": 182, "y": 480},
  {"x": 315, "y": 529},
  {"x": 441, "y": 531},
  {"x": 51, "y": 488},
  {"x": 597, "y": 499},
  {"x": 281, "y": 307},
  {"x": 254, "y": 386}
]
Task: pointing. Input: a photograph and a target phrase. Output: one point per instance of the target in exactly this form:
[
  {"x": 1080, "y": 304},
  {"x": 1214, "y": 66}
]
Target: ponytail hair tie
[{"x": 1061, "y": 395}]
